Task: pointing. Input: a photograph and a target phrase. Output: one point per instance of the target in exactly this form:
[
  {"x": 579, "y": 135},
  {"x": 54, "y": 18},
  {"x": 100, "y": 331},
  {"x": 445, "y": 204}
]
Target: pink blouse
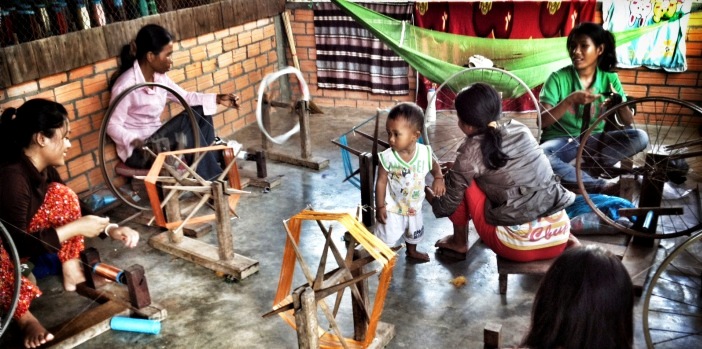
[{"x": 138, "y": 115}]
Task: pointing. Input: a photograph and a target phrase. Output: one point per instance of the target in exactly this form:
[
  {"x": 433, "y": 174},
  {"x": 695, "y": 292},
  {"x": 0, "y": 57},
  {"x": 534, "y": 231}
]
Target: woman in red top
[{"x": 41, "y": 213}]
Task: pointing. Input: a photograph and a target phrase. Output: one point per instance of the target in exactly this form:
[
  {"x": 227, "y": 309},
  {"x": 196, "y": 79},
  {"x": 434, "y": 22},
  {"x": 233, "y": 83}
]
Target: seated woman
[
  {"x": 41, "y": 213},
  {"x": 503, "y": 182},
  {"x": 571, "y": 92},
  {"x": 585, "y": 300},
  {"x": 137, "y": 118}
]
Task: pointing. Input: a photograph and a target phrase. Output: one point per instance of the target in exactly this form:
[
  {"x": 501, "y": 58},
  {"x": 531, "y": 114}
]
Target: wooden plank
[
  {"x": 491, "y": 336},
  {"x": 94, "y": 46},
  {"x": 5, "y": 80},
  {"x": 169, "y": 20},
  {"x": 45, "y": 53},
  {"x": 201, "y": 21},
  {"x": 228, "y": 16},
  {"x": 637, "y": 261},
  {"x": 205, "y": 255},
  {"x": 186, "y": 23},
  {"x": 23, "y": 69},
  {"x": 113, "y": 292},
  {"x": 383, "y": 335},
  {"x": 214, "y": 15},
  {"x": 89, "y": 324},
  {"x": 74, "y": 49},
  {"x": 313, "y": 162},
  {"x": 117, "y": 35},
  {"x": 306, "y": 318}
]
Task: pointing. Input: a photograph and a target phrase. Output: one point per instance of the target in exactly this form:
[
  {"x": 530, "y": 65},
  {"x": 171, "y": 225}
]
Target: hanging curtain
[
  {"x": 350, "y": 57},
  {"x": 663, "y": 48}
]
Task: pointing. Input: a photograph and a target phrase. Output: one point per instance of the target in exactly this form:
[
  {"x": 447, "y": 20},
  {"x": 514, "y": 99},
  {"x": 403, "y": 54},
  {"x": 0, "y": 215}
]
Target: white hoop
[{"x": 267, "y": 80}]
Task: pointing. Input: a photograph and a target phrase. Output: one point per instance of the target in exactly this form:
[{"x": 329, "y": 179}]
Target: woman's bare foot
[
  {"x": 72, "y": 274},
  {"x": 35, "y": 334},
  {"x": 448, "y": 242}
]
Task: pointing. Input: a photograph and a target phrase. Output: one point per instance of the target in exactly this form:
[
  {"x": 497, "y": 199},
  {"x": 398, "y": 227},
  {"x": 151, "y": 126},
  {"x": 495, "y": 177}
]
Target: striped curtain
[{"x": 349, "y": 57}]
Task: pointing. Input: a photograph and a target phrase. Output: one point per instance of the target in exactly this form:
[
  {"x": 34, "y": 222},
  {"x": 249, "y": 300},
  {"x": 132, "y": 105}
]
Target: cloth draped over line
[
  {"x": 663, "y": 48},
  {"x": 499, "y": 20},
  {"x": 438, "y": 55},
  {"x": 352, "y": 58}
]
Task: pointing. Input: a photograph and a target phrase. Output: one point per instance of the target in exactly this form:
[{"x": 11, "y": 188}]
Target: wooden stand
[
  {"x": 219, "y": 258},
  {"x": 306, "y": 158},
  {"x": 132, "y": 299}
]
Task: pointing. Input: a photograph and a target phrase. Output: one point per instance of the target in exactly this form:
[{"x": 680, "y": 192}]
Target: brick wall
[
  {"x": 640, "y": 82},
  {"x": 229, "y": 60}
]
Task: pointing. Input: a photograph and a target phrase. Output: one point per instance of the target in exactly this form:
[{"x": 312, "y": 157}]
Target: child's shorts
[{"x": 396, "y": 227}]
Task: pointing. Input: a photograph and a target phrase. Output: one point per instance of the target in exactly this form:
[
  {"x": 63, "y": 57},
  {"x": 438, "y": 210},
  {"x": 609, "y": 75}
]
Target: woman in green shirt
[{"x": 573, "y": 91}]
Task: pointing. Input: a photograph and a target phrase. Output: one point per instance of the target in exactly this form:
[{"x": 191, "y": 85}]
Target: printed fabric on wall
[
  {"x": 661, "y": 49},
  {"x": 349, "y": 57}
]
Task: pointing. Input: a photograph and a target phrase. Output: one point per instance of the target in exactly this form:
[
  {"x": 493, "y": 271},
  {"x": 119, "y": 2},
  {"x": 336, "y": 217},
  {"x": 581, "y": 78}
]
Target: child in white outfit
[{"x": 399, "y": 190}]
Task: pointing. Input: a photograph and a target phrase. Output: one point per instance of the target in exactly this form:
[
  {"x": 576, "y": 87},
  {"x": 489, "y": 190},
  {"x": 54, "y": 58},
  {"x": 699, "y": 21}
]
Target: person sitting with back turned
[
  {"x": 41, "y": 213},
  {"x": 585, "y": 300},
  {"x": 137, "y": 118},
  {"x": 501, "y": 181}
]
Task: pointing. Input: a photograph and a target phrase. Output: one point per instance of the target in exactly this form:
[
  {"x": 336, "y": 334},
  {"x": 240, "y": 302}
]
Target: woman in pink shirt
[{"x": 137, "y": 119}]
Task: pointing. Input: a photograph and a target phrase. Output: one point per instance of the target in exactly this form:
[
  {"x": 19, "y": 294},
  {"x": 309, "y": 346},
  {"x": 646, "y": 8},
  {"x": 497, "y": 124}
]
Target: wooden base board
[
  {"x": 383, "y": 335},
  {"x": 266, "y": 182},
  {"x": 313, "y": 162},
  {"x": 113, "y": 292},
  {"x": 205, "y": 255},
  {"x": 89, "y": 324}
]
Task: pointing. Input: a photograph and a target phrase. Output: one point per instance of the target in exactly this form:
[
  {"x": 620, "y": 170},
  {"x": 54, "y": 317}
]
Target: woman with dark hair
[
  {"x": 137, "y": 119},
  {"x": 502, "y": 181},
  {"x": 41, "y": 213},
  {"x": 589, "y": 86},
  {"x": 585, "y": 300}
]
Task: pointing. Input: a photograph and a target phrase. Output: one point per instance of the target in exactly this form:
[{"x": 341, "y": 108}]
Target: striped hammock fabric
[{"x": 349, "y": 57}]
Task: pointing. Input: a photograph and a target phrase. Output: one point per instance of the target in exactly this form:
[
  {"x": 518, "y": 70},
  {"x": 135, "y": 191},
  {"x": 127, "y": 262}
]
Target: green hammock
[{"x": 438, "y": 55}]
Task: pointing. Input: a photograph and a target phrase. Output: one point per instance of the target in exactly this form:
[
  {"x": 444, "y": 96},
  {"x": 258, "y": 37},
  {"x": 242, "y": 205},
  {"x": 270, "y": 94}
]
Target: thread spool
[
  {"x": 121, "y": 323},
  {"x": 110, "y": 272}
]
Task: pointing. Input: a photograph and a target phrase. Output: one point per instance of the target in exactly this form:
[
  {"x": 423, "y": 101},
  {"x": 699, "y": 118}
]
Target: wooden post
[
  {"x": 491, "y": 336},
  {"x": 651, "y": 196},
  {"x": 224, "y": 226},
  {"x": 261, "y": 170},
  {"x": 306, "y": 318},
  {"x": 265, "y": 120},
  {"x": 88, "y": 258},
  {"x": 360, "y": 321},
  {"x": 365, "y": 166},
  {"x": 303, "y": 111},
  {"x": 139, "y": 296}
]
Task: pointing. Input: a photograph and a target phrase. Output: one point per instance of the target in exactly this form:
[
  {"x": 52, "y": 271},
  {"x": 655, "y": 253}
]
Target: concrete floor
[{"x": 205, "y": 311}]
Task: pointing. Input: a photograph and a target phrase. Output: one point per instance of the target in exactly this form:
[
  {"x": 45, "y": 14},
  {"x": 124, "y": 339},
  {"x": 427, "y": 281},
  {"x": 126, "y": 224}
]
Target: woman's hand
[
  {"x": 582, "y": 97},
  {"x": 126, "y": 234},
  {"x": 438, "y": 187},
  {"x": 230, "y": 100}
]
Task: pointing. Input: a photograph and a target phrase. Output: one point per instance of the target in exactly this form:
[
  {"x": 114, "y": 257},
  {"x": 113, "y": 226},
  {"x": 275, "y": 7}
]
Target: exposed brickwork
[{"x": 209, "y": 63}]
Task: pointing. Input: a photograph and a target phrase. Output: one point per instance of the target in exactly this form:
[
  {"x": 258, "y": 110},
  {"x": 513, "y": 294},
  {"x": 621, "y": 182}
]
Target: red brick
[
  {"x": 53, "y": 80},
  {"x": 241, "y": 82},
  {"x": 81, "y": 164},
  {"x": 188, "y": 42},
  {"x": 204, "y": 82},
  {"x": 68, "y": 92},
  {"x": 303, "y": 15},
  {"x": 46, "y": 95},
  {"x": 220, "y": 75},
  {"x": 257, "y": 35},
  {"x": 81, "y": 126},
  {"x": 305, "y": 42},
  {"x": 214, "y": 48},
  {"x": 63, "y": 172},
  {"x": 22, "y": 89},
  {"x": 345, "y": 103},
  {"x": 690, "y": 94},
  {"x": 650, "y": 78},
  {"x": 81, "y": 72},
  {"x": 224, "y": 60},
  {"x": 230, "y": 43},
  {"x": 90, "y": 141},
  {"x": 244, "y": 38},
  {"x": 95, "y": 177},
  {"x": 253, "y": 50},
  {"x": 177, "y": 75},
  {"x": 221, "y": 34},
  {"x": 250, "y": 26},
  {"x": 249, "y": 65},
  {"x": 682, "y": 79},
  {"x": 95, "y": 84},
  {"x": 14, "y": 103},
  {"x": 198, "y": 53},
  {"x": 189, "y": 85},
  {"x": 109, "y": 64},
  {"x": 664, "y": 91},
  {"x": 88, "y": 106},
  {"x": 209, "y": 66},
  {"x": 193, "y": 70},
  {"x": 203, "y": 39},
  {"x": 239, "y": 54},
  {"x": 236, "y": 30}
]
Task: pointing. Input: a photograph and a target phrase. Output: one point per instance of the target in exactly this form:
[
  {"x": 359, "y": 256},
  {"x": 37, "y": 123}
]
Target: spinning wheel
[
  {"x": 110, "y": 165},
  {"x": 10, "y": 252},
  {"x": 663, "y": 176},
  {"x": 348, "y": 274},
  {"x": 518, "y": 102},
  {"x": 671, "y": 311}
]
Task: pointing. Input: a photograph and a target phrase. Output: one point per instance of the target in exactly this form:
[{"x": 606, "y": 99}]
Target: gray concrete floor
[{"x": 205, "y": 311}]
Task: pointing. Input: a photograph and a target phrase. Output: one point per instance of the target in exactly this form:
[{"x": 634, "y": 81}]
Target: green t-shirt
[{"x": 562, "y": 83}]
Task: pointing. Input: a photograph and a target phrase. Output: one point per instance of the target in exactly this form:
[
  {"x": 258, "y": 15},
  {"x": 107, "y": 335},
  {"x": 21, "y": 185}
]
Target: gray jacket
[{"x": 519, "y": 192}]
